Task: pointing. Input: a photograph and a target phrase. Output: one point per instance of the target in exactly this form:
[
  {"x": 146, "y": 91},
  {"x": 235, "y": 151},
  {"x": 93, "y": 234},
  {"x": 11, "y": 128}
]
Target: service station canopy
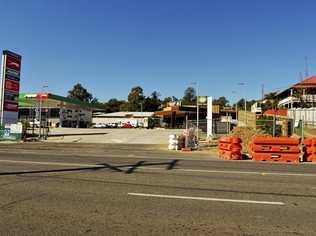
[{"x": 48, "y": 100}]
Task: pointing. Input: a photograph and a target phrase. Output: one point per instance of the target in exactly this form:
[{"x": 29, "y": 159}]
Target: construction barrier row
[
  {"x": 310, "y": 149},
  {"x": 270, "y": 149},
  {"x": 230, "y": 148},
  {"x": 280, "y": 149}
]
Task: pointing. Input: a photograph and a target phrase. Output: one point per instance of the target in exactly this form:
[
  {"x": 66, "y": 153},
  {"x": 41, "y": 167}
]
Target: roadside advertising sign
[
  {"x": 11, "y": 85},
  {"x": 10, "y": 88},
  {"x": 202, "y": 100},
  {"x": 42, "y": 96}
]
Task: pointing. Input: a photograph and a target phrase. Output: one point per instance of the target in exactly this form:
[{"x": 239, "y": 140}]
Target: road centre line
[
  {"x": 157, "y": 168},
  {"x": 205, "y": 199},
  {"x": 236, "y": 172}
]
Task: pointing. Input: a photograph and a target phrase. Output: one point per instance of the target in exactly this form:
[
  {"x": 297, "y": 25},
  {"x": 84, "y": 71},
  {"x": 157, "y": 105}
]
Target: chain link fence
[{"x": 219, "y": 128}]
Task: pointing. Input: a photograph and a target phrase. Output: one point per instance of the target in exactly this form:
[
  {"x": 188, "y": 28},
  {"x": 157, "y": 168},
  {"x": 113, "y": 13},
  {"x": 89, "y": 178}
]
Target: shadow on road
[{"x": 131, "y": 168}]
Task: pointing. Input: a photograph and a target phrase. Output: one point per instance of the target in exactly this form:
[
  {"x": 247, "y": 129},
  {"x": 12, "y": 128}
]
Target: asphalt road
[{"x": 76, "y": 189}]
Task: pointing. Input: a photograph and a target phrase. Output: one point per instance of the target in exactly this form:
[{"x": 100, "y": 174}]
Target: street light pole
[
  {"x": 236, "y": 107},
  {"x": 243, "y": 84},
  {"x": 197, "y": 112},
  {"x": 40, "y": 117}
]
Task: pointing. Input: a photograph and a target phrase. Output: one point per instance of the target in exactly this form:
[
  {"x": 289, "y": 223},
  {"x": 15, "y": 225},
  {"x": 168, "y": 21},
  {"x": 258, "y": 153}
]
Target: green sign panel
[{"x": 11, "y": 133}]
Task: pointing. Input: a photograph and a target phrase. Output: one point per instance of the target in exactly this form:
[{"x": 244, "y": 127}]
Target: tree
[
  {"x": 95, "y": 101},
  {"x": 302, "y": 103},
  {"x": 80, "y": 93},
  {"x": 270, "y": 96},
  {"x": 113, "y": 105},
  {"x": 189, "y": 96},
  {"x": 221, "y": 101},
  {"x": 135, "y": 99},
  {"x": 271, "y": 101},
  {"x": 124, "y": 106},
  {"x": 169, "y": 99},
  {"x": 153, "y": 102},
  {"x": 250, "y": 103},
  {"x": 166, "y": 100},
  {"x": 241, "y": 104}
]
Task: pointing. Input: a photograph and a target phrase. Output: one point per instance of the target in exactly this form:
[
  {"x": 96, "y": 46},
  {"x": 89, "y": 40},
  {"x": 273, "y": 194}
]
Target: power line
[{"x": 306, "y": 67}]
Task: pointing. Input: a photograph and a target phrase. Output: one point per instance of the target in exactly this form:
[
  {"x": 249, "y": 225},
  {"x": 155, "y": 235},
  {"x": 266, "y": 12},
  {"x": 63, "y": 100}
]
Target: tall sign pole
[
  {"x": 209, "y": 117},
  {"x": 10, "y": 88},
  {"x": 2, "y": 78}
]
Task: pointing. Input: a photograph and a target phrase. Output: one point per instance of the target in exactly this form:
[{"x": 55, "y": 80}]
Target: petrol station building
[{"x": 55, "y": 110}]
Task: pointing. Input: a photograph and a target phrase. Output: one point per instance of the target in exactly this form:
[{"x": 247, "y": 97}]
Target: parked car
[
  {"x": 127, "y": 126},
  {"x": 35, "y": 124},
  {"x": 112, "y": 125},
  {"x": 99, "y": 125}
]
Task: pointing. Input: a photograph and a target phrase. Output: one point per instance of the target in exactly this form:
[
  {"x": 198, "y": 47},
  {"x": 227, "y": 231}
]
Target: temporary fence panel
[
  {"x": 219, "y": 128},
  {"x": 275, "y": 126},
  {"x": 246, "y": 118}
]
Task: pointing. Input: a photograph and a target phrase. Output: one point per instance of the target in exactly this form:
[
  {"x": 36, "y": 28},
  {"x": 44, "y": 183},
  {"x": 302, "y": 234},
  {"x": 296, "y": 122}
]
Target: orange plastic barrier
[
  {"x": 230, "y": 148},
  {"x": 310, "y": 149},
  {"x": 280, "y": 149}
]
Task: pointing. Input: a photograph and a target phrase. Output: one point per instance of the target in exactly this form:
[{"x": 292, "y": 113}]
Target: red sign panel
[
  {"x": 10, "y": 106},
  {"x": 12, "y": 85},
  {"x": 13, "y": 63},
  {"x": 42, "y": 96}
]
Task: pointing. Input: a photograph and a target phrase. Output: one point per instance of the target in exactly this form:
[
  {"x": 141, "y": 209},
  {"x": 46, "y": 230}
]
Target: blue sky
[{"x": 110, "y": 46}]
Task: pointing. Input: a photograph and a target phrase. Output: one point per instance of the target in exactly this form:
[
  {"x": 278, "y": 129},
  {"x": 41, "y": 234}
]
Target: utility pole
[
  {"x": 306, "y": 67},
  {"x": 141, "y": 107},
  {"x": 40, "y": 117},
  {"x": 236, "y": 106},
  {"x": 186, "y": 131},
  {"x": 301, "y": 76},
  {"x": 243, "y": 84}
]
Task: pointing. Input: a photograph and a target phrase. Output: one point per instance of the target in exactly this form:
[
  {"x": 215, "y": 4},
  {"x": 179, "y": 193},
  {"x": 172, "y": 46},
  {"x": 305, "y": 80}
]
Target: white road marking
[{"x": 205, "y": 199}]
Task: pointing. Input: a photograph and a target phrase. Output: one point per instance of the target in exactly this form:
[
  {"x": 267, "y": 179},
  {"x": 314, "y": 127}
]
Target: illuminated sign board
[{"x": 10, "y": 87}]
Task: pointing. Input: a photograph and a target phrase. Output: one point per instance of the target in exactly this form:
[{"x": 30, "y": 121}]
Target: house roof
[
  {"x": 273, "y": 112},
  {"x": 124, "y": 114},
  {"x": 307, "y": 83}
]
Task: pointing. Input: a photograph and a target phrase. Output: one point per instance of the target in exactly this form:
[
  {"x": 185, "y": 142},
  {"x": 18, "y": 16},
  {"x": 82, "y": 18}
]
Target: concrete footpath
[{"x": 127, "y": 136}]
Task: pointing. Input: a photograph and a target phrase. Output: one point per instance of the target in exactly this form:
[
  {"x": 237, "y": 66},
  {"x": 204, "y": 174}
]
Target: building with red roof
[
  {"x": 307, "y": 83},
  {"x": 302, "y": 94},
  {"x": 277, "y": 113}
]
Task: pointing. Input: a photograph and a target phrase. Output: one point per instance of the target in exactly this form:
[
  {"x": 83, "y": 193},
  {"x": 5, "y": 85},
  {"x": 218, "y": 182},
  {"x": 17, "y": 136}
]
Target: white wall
[
  {"x": 75, "y": 115},
  {"x": 108, "y": 120},
  {"x": 306, "y": 114}
]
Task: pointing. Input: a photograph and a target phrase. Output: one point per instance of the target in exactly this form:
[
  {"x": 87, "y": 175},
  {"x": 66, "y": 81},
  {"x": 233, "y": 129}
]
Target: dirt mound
[{"x": 246, "y": 134}]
